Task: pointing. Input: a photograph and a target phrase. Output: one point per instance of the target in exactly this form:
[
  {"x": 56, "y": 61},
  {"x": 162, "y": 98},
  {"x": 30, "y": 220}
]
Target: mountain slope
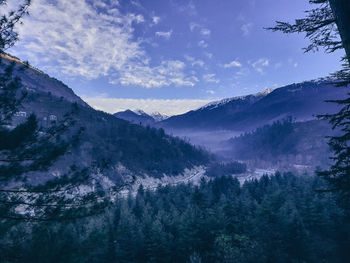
[
  {"x": 212, "y": 115},
  {"x": 283, "y": 144},
  {"x": 140, "y": 117},
  {"x": 117, "y": 147},
  {"x": 37, "y": 81},
  {"x": 302, "y": 101},
  {"x": 137, "y": 118}
]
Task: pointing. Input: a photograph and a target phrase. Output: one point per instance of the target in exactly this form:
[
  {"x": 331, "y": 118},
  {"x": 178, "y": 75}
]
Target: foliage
[
  {"x": 319, "y": 26},
  {"x": 221, "y": 169},
  {"x": 274, "y": 219},
  {"x": 8, "y": 21},
  {"x": 338, "y": 174},
  {"x": 268, "y": 141},
  {"x": 327, "y": 26},
  {"x": 283, "y": 144},
  {"x": 27, "y": 148}
]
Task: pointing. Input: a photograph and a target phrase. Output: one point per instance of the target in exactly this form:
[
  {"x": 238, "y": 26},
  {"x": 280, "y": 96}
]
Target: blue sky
[{"x": 167, "y": 55}]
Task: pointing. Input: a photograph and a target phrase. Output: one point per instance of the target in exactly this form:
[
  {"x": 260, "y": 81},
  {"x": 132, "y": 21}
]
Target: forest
[
  {"x": 66, "y": 186},
  {"x": 284, "y": 141},
  {"x": 282, "y": 218}
]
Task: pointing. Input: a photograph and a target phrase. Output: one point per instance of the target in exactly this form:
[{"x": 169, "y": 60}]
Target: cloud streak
[
  {"x": 168, "y": 107},
  {"x": 233, "y": 64},
  {"x": 202, "y": 30},
  {"x": 165, "y": 35},
  {"x": 246, "y": 29},
  {"x": 210, "y": 78},
  {"x": 260, "y": 64},
  {"x": 93, "y": 39}
]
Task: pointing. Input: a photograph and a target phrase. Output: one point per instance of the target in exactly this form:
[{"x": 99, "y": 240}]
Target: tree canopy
[{"x": 328, "y": 26}]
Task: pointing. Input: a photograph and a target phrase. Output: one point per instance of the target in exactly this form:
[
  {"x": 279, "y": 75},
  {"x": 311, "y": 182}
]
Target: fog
[{"x": 208, "y": 139}]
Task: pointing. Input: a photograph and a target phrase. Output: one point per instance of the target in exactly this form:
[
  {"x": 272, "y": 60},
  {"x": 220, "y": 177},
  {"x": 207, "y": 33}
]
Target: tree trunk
[{"x": 341, "y": 11}]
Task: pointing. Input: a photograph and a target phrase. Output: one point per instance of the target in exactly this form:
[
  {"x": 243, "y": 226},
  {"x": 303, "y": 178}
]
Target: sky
[{"x": 168, "y": 56}]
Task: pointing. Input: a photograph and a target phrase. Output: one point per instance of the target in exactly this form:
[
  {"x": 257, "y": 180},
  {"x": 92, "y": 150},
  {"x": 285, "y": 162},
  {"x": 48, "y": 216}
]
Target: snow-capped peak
[
  {"x": 158, "y": 116},
  {"x": 215, "y": 104},
  {"x": 140, "y": 112}
]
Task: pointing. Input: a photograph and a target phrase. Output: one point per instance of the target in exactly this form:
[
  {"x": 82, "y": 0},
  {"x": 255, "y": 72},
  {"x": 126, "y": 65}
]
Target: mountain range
[
  {"x": 302, "y": 101},
  {"x": 134, "y": 144},
  {"x": 140, "y": 117}
]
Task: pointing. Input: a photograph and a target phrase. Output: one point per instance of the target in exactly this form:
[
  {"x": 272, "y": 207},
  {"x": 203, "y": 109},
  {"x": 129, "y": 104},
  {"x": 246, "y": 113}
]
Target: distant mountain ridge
[
  {"x": 302, "y": 101},
  {"x": 216, "y": 104},
  {"x": 140, "y": 117}
]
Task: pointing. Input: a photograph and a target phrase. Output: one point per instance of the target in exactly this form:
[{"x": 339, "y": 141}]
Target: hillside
[
  {"x": 285, "y": 145},
  {"x": 35, "y": 80},
  {"x": 120, "y": 149},
  {"x": 302, "y": 101},
  {"x": 212, "y": 115},
  {"x": 139, "y": 117}
]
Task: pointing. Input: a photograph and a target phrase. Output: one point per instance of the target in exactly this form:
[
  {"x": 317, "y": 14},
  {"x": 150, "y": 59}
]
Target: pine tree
[
  {"x": 328, "y": 26},
  {"x": 27, "y": 148}
]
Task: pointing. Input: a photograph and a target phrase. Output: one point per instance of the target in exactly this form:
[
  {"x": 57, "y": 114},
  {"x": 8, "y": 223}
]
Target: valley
[{"x": 174, "y": 131}]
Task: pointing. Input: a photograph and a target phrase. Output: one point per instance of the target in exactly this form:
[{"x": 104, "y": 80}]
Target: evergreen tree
[
  {"x": 328, "y": 26},
  {"x": 27, "y": 148}
]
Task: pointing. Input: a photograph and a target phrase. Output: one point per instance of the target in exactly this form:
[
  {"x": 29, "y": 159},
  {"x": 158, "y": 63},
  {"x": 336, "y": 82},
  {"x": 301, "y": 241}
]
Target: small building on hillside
[
  {"x": 53, "y": 117},
  {"x": 21, "y": 114}
]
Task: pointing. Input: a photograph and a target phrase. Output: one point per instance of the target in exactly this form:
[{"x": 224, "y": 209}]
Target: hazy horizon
[{"x": 153, "y": 55}]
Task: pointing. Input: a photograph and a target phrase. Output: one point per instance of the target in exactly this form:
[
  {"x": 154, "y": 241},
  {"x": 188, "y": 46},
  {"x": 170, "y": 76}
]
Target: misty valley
[{"x": 174, "y": 131}]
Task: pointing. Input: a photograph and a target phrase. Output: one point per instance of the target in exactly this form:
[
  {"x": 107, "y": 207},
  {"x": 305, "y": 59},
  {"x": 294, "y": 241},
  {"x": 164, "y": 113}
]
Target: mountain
[
  {"x": 139, "y": 117},
  {"x": 34, "y": 80},
  {"x": 302, "y": 101},
  {"x": 158, "y": 116},
  {"x": 212, "y": 115},
  {"x": 284, "y": 144},
  {"x": 121, "y": 150}
]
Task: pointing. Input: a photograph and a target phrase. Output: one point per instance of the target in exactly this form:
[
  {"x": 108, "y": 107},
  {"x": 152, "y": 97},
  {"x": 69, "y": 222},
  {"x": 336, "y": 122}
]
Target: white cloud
[
  {"x": 156, "y": 19},
  {"x": 193, "y": 26},
  {"x": 165, "y": 35},
  {"x": 242, "y": 72},
  {"x": 205, "y": 32},
  {"x": 194, "y": 62},
  {"x": 247, "y": 28},
  {"x": 265, "y": 63},
  {"x": 210, "y": 78},
  {"x": 164, "y": 106},
  {"x": 189, "y": 58},
  {"x": 210, "y": 91},
  {"x": 202, "y": 44},
  {"x": 190, "y": 8},
  {"x": 202, "y": 30},
  {"x": 208, "y": 55},
  {"x": 78, "y": 39},
  {"x": 278, "y": 65},
  {"x": 232, "y": 64},
  {"x": 166, "y": 74},
  {"x": 198, "y": 62},
  {"x": 259, "y": 64}
]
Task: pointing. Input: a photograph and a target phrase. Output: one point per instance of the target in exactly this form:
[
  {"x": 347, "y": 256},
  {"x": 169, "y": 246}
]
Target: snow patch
[
  {"x": 193, "y": 176},
  {"x": 216, "y": 104}
]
